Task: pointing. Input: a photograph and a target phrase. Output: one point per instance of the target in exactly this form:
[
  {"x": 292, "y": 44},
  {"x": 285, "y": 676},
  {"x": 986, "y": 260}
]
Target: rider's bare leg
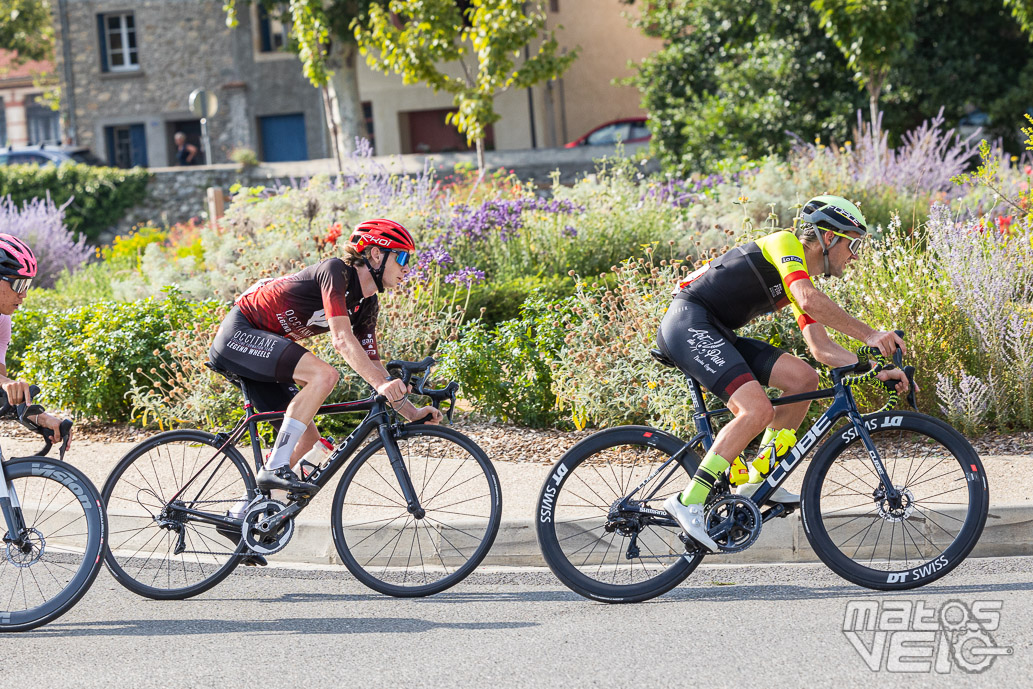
[{"x": 793, "y": 376}]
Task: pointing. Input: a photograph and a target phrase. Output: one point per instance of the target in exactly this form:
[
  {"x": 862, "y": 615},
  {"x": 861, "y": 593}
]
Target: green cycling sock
[{"x": 712, "y": 466}]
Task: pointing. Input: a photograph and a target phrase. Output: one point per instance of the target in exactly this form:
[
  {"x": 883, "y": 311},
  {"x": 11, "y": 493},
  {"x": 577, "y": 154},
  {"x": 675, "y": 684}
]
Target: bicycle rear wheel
[
  {"x": 390, "y": 550},
  {"x": 610, "y": 557},
  {"x": 864, "y": 538},
  {"x": 48, "y": 567},
  {"x": 157, "y": 549}
]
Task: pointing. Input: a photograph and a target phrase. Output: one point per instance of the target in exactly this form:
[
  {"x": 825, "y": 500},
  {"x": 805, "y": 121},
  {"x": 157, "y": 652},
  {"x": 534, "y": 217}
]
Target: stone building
[
  {"x": 24, "y": 116},
  {"x": 128, "y": 66}
]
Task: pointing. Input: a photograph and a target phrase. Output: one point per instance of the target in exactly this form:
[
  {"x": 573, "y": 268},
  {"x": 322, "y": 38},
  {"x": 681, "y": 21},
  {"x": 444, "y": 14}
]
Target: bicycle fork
[
  {"x": 890, "y": 492},
  {"x": 394, "y": 455},
  {"x": 11, "y": 510}
]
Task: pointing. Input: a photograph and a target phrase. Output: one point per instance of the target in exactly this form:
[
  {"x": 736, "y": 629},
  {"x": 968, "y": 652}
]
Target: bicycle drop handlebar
[
  {"x": 23, "y": 411},
  {"x": 408, "y": 369},
  {"x": 866, "y": 372}
]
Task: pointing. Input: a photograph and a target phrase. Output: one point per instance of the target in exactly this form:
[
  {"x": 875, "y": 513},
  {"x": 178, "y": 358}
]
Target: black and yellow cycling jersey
[{"x": 750, "y": 280}]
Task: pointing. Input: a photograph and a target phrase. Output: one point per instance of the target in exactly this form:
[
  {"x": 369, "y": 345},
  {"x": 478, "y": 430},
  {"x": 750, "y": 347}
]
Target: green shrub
[
  {"x": 86, "y": 358},
  {"x": 502, "y": 301},
  {"x": 101, "y": 195},
  {"x": 504, "y": 369}
]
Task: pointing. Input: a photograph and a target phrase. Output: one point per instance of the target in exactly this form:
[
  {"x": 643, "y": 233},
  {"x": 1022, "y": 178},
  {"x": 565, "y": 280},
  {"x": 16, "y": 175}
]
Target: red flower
[
  {"x": 1029, "y": 169},
  {"x": 333, "y": 234}
]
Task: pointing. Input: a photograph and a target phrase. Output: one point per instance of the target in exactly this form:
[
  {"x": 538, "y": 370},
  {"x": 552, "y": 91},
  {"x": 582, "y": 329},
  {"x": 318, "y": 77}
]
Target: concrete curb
[{"x": 1008, "y": 532}]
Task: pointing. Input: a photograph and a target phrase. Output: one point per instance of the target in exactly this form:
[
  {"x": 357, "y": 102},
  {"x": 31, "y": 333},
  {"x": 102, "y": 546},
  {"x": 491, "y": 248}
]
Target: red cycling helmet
[
  {"x": 16, "y": 258},
  {"x": 386, "y": 234}
]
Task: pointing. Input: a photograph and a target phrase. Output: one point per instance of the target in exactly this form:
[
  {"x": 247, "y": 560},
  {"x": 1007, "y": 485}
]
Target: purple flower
[
  {"x": 42, "y": 225},
  {"x": 570, "y": 231},
  {"x": 465, "y": 276}
]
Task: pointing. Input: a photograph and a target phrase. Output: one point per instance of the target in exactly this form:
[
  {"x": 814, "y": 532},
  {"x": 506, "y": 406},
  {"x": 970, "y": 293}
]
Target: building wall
[
  {"x": 183, "y": 45},
  {"x": 564, "y": 110},
  {"x": 585, "y": 96}
]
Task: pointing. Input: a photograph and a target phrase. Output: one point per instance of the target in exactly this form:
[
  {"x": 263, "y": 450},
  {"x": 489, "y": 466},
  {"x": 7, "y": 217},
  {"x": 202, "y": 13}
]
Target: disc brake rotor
[{"x": 29, "y": 551}]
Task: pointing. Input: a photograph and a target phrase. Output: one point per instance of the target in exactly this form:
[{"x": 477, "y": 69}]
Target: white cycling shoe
[
  {"x": 781, "y": 495},
  {"x": 690, "y": 519}
]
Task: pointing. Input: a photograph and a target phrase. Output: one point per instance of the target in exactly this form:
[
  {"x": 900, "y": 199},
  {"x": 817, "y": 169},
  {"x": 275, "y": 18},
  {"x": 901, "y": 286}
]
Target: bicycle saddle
[{"x": 659, "y": 356}]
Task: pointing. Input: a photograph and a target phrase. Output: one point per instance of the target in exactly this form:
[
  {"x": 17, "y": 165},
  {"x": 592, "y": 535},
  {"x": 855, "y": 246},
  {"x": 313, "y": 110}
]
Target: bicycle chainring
[
  {"x": 734, "y": 522},
  {"x": 262, "y": 537}
]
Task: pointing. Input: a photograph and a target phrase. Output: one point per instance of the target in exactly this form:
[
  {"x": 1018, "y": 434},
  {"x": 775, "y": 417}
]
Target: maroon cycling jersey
[{"x": 300, "y": 305}]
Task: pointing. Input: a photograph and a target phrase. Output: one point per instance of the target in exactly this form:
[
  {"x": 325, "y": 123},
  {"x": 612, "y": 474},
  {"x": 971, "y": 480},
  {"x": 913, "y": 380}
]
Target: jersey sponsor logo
[
  {"x": 792, "y": 259},
  {"x": 318, "y": 319}
]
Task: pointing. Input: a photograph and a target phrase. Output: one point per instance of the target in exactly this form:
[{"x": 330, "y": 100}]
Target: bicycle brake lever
[{"x": 909, "y": 371}]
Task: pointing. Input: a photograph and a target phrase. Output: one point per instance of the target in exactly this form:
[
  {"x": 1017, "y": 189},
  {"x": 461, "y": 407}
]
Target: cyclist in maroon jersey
[{"x": 258, "y": 340}]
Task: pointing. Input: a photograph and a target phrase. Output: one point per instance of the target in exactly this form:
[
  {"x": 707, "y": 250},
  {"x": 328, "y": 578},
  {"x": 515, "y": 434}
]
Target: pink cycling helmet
[{"x": 16, "y": 258}]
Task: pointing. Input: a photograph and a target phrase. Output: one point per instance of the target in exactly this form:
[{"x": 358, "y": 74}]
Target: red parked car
[{"x": 628, "y": 130}]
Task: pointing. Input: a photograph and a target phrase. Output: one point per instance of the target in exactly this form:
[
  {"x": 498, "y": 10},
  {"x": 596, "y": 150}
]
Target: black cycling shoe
[
  {"x": 283, "y": 478},
  {"x": 250, "y": 559}
]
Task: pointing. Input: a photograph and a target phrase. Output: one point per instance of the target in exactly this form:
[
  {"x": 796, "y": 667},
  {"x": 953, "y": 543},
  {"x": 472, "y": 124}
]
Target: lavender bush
[
  {"x": 883, "y": 179},
  {"x": 41, "y": 223}
]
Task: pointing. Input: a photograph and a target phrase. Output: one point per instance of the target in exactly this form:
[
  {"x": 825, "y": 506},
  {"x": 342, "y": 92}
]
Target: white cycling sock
[{"x": 286, "y": 440}]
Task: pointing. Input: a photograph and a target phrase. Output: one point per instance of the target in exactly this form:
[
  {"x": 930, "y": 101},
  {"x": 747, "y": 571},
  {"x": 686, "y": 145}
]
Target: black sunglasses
[{"x": 17, "y": 284}]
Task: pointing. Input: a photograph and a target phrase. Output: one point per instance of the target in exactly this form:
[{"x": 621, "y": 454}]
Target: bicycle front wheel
[
  {"x": 892, "y": 545},
  {"x": 589, "y": 545},
  {"x": 394, "y": 552},
  {"x": 47, "y": 567},
  {"x": 163, "y": 549}
]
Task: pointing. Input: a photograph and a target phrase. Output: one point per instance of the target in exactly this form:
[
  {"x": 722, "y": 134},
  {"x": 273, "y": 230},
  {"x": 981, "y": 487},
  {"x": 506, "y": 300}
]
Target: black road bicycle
[
  {"x": 893, "y": 500},
  {"x": 53, "y": 528},
  {"x": 416, "y": 511}
]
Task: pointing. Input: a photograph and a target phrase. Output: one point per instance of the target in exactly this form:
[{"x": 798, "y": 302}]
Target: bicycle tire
[
  {"x": 940, "y": 520},
  {"x": 370, "y": 521},
  {"x": 620, "y": 459},
  {"x": 67, "y": 501},
  {"x": 137, "y": 491}
]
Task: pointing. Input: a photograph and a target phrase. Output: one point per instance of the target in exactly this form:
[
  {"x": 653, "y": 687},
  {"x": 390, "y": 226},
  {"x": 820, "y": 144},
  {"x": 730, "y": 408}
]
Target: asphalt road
[{"x": 772, "y": 626}]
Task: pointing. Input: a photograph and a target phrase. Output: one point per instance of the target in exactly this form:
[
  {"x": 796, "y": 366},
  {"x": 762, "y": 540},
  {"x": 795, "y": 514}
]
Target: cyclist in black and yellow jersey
[{"x": 698, "y": 333}]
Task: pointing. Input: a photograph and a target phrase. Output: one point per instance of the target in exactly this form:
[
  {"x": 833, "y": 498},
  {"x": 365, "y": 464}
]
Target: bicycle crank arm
[{"x": 275, "y": 522}]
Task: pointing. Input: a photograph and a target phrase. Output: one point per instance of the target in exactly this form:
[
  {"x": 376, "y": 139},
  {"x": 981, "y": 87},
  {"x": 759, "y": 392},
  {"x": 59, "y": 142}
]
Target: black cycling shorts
[
  {"x": 265, "y": 359},
  {"x": 711, "y": 353}
]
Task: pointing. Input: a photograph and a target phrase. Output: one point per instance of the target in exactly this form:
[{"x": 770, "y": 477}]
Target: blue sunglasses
[{"x": 401, "y": 257}]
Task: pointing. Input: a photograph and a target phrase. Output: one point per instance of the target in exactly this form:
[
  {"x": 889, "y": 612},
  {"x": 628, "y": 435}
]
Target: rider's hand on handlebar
[
  {"x": 436, "y": 416},
  {"x": 897, "y": 375},
  {"x": 17, "y": 392},
  {"x": 47, "y": 421},
  {"x": 394, "y": 390},
  {"x": 886, "y": 341}
]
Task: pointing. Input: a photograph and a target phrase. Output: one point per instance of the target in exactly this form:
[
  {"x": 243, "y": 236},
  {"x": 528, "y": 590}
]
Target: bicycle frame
[
  {"x": 377, "y": 419},
  {"x": 843, "y": 405}
]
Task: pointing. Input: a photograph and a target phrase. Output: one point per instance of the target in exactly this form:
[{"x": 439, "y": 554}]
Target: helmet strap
[
  {"x": 818, "y": 232},
  {"x": 378, "y": 273}
]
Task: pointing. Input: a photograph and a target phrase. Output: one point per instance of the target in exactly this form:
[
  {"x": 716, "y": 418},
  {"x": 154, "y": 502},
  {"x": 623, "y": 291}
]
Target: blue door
[{"x": 283, "y": 137}]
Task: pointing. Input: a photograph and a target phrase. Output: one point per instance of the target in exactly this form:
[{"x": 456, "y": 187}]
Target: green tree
[
  {"x": 25, "y": 28},
  {"x": 321, "y": 36},
  {"x": 872, "y": 35},
  {"x": 469, "y": 49},
  {"x": 733, "y": 78}
]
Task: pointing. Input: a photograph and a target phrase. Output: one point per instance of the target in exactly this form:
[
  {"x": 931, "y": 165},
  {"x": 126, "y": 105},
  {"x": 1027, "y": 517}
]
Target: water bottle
[{"x": 315, "y": 458}]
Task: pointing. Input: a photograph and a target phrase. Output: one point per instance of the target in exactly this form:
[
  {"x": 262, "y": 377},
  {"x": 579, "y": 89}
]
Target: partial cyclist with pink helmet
[
  {"x": 258, "y": 340},
  {"x": 17, "y": 271}
]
